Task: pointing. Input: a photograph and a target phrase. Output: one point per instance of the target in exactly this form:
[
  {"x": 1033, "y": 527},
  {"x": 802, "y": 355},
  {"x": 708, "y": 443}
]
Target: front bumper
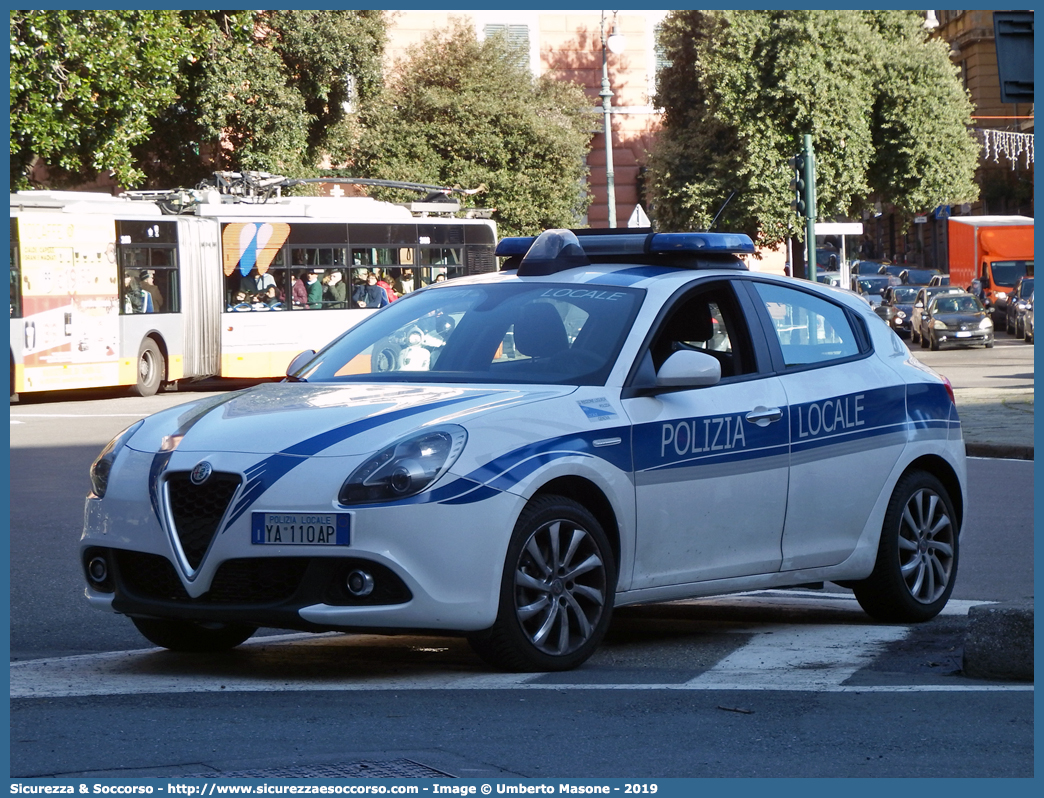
[
  {"x": 434, "y": 565},
  {"x": 963, "y": 337}
]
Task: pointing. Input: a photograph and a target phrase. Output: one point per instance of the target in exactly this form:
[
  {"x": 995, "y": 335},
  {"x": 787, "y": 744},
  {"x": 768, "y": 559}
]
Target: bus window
[
  {"x": 440, "y": 263},
  {"x": 148, "y": 261}
]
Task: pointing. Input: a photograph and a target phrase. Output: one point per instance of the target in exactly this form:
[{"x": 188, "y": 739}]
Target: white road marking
[
  {"x": 78, "y": 415},
  {"x": 813, "y": 657}
]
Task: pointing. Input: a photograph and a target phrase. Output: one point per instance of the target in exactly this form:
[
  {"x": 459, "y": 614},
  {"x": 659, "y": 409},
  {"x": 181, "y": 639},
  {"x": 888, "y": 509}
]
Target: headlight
[
  {"x": 406, "y": 467},
  {"x": 986, "y": 324},
  {"x": 938, "y": 325},
  {"x": 901, "y": 314},
  {"x": 1002, "y": 295},
  {"x": 102, "y": 465}
]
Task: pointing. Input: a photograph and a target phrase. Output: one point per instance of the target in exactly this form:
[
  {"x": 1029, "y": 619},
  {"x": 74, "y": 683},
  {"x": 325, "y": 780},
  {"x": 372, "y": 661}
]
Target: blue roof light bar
[
  {"x": 509, "y": 247},
  {"x": 643, "y": 244},
  {"x": 701, "y": 243}
]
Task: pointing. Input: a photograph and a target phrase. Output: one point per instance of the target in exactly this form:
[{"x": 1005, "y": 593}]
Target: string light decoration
[{"x": 1011, "y": 145}]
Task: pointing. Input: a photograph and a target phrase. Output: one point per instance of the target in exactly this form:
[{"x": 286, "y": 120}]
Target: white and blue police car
[{"x": 613, "y": 418}]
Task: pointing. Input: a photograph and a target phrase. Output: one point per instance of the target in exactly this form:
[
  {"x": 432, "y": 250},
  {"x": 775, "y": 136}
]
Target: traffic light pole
[{"x": 810, "y": 206}]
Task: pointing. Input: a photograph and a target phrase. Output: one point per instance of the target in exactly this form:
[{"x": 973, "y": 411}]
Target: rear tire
[
  {"x": 917, "y": 555},
  {"x": 152, "y": 369},
  {"x": 192, "y": 636},
  {"x": 556, "y": 593}
]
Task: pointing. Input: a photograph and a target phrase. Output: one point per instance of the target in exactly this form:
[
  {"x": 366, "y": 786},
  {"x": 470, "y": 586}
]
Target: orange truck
[{"x": 996, "y": 251}]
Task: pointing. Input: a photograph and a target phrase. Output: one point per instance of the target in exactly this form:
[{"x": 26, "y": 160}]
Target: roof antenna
[{"x": 718, "y": 214}]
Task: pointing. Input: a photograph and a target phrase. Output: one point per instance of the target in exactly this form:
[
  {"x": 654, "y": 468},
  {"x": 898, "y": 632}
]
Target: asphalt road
[{"x": 763, "y": 685}]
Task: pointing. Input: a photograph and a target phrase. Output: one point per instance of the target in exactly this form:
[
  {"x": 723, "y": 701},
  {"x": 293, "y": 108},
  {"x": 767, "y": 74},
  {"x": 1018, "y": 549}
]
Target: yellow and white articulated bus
[{"x": 225, "y": 280}]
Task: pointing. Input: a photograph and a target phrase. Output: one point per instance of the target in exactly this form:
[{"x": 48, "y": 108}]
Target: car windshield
[
  {"x": 904, "y": 296},
  {"x": 920, "y": 276},
  {"x": 1008, "y": 272},
  {"x": 536, "y": 333},
  {"x": 874, "y": 285},
  {"x": 1025, "y": 288},
  {"x": 958, "y": 304}
]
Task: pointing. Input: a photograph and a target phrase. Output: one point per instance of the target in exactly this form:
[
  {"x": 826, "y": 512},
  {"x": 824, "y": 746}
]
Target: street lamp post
[{"x": 614, "y": 43}]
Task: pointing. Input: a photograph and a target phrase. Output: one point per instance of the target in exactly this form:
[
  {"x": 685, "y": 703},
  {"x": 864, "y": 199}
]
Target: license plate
[
  {"x": 301, "y": 529},
  {"x": 964, "y": 335}
]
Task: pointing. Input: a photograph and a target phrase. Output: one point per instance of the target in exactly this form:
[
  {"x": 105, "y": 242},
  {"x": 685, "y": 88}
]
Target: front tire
[
  {"x": 152, "y": 368},
  {"x": 192, "y": 636},
  {"x": 556, "y": 594},
  {"x": 933, "y": 343},
  {"x": 917, "y": 555}
]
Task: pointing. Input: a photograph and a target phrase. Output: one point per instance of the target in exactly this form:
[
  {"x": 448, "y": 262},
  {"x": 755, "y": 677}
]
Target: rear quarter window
[{"x": 810, "y": 329}]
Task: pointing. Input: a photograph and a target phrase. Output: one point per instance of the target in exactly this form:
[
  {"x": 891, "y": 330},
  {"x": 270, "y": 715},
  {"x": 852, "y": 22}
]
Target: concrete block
[{"x": 999, "y": 641}]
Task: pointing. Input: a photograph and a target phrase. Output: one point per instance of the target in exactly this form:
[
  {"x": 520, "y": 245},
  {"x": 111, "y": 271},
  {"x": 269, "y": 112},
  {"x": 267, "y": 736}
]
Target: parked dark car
[
  {"x": 958, "y": 319},
  {"x": 921, "y": 300},
  {"x": 865, "y": 267},
  {"x": 1015, "y": 312},
  {"x": 891, "y": 268},
  {"x": 1028, "y": 320},
  {"x": 872, "y": 286},
  {"x": 918, "y": 276},
  {"x": 827, "y": 258},
  {"x": 896, "y": 305}
]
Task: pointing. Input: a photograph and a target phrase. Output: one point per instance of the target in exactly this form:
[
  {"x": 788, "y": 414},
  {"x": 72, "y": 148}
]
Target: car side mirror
[
  {"x": 689, "y": 369},
  {"x": 298, "y": 361}
]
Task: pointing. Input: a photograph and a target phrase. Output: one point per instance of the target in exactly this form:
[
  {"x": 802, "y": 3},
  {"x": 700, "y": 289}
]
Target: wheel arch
[
  {"x": 945, "y": 473},
  {"x": 158, "y": 338},
  {"x": 594, "y": 499}
]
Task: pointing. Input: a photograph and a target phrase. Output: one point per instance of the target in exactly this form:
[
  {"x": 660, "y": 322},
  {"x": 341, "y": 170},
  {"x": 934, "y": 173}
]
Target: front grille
[
  {"x": 245, "y": 581},
  {"x": 256, "y": 581},
  {"x": 197, "y": 510},
  {"x": 149, "y": 576}
]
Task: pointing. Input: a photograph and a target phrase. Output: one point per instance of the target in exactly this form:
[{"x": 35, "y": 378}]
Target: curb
[
  {"x": 999, "y": 641},
  {"x": 999, "y": 450}
]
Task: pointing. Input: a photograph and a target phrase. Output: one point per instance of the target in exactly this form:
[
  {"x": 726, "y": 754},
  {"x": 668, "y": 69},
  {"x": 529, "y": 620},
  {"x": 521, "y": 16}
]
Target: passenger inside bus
[
  {"x": 135, "y": 299},
  {"x": 150, "y": 288},
  {"x": 368, "y": 294},
  {"x": 335, "y": 292}
]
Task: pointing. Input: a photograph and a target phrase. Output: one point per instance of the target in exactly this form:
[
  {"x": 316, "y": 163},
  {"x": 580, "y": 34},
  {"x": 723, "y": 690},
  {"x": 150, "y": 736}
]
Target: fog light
[
  {"x": 98, "y": 570},
  {"x": 360, "y": 583}
]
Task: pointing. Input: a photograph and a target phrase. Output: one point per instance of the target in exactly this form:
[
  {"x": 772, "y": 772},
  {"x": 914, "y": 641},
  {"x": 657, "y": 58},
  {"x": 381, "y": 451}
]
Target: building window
[{"x": 517, "y": 38}]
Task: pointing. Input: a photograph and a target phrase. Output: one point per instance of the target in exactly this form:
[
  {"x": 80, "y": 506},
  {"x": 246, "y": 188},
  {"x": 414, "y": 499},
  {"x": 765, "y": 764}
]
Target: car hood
[
  {"x": 956, "y": 319},
  {"x": 322, "y": 419}
]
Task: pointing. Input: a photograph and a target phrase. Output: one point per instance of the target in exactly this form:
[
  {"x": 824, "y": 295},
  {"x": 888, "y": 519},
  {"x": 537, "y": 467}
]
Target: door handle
[{"x": 763, "y": 416}]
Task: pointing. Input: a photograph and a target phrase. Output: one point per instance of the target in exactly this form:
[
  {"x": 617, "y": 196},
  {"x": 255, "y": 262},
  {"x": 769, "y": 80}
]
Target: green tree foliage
[
  {"x": 85, "y": 86},
  {"x": 886, "y": 111},
  {"x": 460, "y": 112},
  {"x": 278, "y": 89}
]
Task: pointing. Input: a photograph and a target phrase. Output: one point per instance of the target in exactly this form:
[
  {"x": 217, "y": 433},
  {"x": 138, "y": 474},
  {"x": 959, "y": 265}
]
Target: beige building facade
[{"x": 568, "y": 45}]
